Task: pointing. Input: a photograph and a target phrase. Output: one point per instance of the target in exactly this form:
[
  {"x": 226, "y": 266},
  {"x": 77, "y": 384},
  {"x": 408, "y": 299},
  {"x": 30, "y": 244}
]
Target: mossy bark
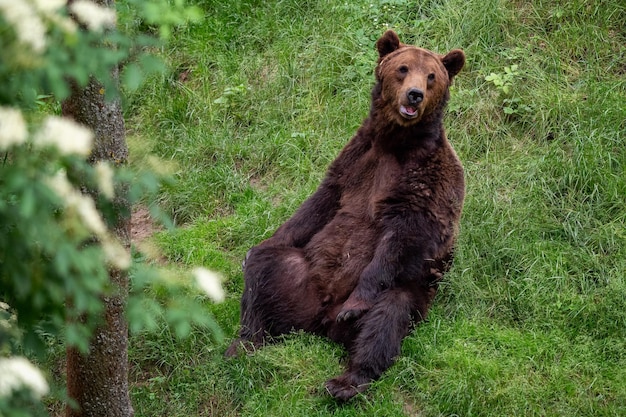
[{"x": 98, "y": 380}]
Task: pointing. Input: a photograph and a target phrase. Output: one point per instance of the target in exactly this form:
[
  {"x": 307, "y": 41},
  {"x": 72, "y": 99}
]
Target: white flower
[
  {"x": 65, "y": 134},
  {"x": 64, "y": 23},
  {"x": 116, "y": 254},
  {"x": 61, "y": 186},
  {"x": 82, "y": 204},
  {"x": 95, "y": 17},
  {"x": 88, "y": 213},
  {"x": 28, "y": 26},
  {"x": 210, "y": 282},
  {"x": 6, "y": 324},
  {"x": 104, "y": 173},
  {"x": 18, "y": 372},
  {"x": 49, "y": 6},
  {"x": 12, "y": 127},
  {"x": 67, "y": 25}
]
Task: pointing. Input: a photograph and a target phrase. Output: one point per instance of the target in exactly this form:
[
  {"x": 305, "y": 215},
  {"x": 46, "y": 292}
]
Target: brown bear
[{"x": 361, "y": 258}]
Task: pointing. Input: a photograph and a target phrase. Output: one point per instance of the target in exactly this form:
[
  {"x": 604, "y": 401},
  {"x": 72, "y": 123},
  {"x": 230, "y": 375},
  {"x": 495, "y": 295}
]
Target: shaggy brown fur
[{"x": 361, "y": 258}]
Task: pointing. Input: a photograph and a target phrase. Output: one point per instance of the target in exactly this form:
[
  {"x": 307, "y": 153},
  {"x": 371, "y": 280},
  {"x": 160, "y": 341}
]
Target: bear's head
[{"x": 413, "y": 82}]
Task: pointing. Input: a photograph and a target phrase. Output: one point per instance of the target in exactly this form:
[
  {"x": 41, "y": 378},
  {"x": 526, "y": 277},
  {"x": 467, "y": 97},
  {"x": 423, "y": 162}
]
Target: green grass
[{"x": 531, "y": 319}]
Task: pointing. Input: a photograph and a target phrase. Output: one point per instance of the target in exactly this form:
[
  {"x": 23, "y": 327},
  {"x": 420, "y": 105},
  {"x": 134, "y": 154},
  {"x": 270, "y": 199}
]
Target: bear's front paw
[
  {"x": 352, "y": 314},
  {"x": 353, "y": 309}
]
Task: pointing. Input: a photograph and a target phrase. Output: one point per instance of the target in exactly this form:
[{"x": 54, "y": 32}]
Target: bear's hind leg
[
  {"x": 377, "y": 344},
  {"x": 275, "y": 298}
]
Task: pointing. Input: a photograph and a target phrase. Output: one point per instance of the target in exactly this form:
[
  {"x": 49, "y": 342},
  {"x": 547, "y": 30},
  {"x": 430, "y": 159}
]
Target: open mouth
[{"x": 408, "y": 111}]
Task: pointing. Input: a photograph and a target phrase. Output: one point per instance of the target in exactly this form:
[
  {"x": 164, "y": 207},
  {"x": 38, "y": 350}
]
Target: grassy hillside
[{"x": 260, "y": 97}]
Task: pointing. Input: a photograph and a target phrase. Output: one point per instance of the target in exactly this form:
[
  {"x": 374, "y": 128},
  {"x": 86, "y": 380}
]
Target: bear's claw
[
  {"x": 350, "y": 314},
  {"x": 344, "y": 388},
  {"x": 353, "y": 308}
]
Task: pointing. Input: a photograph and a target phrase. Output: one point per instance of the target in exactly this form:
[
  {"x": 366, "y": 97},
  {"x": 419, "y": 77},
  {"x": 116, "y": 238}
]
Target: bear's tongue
[{"x": 408, "y": 110}]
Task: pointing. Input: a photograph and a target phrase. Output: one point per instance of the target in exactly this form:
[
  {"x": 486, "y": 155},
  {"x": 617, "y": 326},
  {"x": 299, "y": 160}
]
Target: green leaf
[
  {"x": 78, "y": 336},
  {"x": 132, "y": 76},
  {"x": 28, "y": 203},
  {"x": 151, "y": 64}
]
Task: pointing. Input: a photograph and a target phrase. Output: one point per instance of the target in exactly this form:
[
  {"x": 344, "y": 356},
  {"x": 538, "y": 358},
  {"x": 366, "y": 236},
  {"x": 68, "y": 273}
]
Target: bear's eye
[
  {"x": 403, "y": 69},
  {"x": 431, "y": 77}
]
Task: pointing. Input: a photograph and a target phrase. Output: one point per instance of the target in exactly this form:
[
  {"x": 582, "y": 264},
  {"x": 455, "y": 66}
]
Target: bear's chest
[{"x": 368, "y": 184}]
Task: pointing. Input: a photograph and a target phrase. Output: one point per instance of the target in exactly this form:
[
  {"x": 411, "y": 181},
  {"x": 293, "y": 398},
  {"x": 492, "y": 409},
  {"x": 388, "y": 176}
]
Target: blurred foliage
[{"x": 55, "y": 247}]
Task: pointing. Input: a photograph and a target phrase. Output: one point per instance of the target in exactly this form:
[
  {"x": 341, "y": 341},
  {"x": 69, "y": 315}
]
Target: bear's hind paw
[
  {"x": 344, "y": 388},
  {"x": 241, "y": 344}
]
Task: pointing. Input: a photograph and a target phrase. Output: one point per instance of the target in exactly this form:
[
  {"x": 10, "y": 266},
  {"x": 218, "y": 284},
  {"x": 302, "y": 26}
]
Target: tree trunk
[{"x": 98, "y": 381}]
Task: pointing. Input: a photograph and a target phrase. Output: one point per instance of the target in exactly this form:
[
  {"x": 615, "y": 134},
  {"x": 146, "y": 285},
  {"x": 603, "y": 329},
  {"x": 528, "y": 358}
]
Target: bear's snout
[
  {"x": 415, "y": 96},
  {"x": 412, "y": 101}
]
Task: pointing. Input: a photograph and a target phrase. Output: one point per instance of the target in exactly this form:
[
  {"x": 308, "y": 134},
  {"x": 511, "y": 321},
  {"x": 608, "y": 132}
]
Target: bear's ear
[
  {"x": 453, "y": 61},
  {"x": 387, "y": 43}
]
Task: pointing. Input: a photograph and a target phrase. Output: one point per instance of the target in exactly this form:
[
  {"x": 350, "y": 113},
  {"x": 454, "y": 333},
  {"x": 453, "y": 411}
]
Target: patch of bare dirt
[{"x": 142, "y": 226}]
